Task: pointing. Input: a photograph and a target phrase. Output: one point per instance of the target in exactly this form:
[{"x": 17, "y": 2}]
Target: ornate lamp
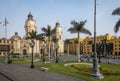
[
  {"x": 56, "y": 47},
  {"x": 32, "y": 44}
]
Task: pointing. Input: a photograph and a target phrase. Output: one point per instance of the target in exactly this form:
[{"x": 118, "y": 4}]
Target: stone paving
[
  {"x": 24, "y": 73},
  {"x": 4, "y": 78}
]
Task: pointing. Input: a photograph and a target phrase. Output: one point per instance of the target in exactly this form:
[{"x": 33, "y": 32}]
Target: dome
[{"x": 15, "y": 37}]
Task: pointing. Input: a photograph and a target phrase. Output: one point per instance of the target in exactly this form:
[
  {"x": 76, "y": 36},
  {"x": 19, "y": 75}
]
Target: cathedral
[{"x": 21, "y": 45}]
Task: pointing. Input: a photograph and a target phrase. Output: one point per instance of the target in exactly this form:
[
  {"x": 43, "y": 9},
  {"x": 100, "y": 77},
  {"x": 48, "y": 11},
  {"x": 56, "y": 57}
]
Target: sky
[{"x": 64, "y": 11}]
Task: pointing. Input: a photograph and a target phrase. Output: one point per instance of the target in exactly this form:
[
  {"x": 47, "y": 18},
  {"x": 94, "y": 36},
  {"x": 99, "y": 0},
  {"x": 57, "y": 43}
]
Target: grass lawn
[
  {"x": 23, "y": 60},
  {"x": 20, "y": 60},
  {"x": 60, "y": 68}
]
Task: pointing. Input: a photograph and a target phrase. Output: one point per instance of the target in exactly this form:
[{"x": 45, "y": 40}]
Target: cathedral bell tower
[
  {"x": 58, "y": 32},
  {"x": 30, "y": 24}
]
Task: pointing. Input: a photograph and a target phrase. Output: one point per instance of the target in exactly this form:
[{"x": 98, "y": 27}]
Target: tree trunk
[
  {"x": 49, "y": 49},
  {"x": 68, "y": 50},
  {"x": 78, "y": 48},
  {"x": 104, "y": 48}
]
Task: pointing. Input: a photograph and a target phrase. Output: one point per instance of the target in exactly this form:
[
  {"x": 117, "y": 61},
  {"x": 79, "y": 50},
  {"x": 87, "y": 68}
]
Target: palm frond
[
  {"x": 76, "y": 42},
  {"x": 67, "y": 41},
  {"x": 90, "y": 42},
  {"x": 74, "y": 23},
  {"x": 86, "y": 31},
  {"x": 32, "y": 35},
  {"x": 53, "y": 31},
  {"x": 78, "y": 27},
  {"x": 40, "y": 37},
  {"x": 48, "y": 31},
  {"x": 54, "y": 39},
  {"x": 82, "y": 23},
  {"x": 117, "y": 26},
  {"x": 72, "y": 30},
  {"x": 44, "y": 29},
  {"x": 116, "y": 11}
]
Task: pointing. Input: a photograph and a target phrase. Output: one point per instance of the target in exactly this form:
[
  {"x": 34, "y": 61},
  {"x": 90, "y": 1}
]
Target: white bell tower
[
  {"x": 58, "y": 32},
  {"x": 30, "y": 24}
]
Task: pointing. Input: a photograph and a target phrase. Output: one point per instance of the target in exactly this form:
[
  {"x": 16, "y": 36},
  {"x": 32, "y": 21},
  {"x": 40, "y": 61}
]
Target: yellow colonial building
[
  {"x": 116, "y": 46},
  {"x": 105, "y": 44},
  {"x": 73, "y": 45}
]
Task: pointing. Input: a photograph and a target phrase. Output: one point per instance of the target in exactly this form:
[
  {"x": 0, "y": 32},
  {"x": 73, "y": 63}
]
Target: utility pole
[
  {"x": 5, "y": 24},
  {"x": 0, "y": 22},
  {"x": 95, "y": 69}
]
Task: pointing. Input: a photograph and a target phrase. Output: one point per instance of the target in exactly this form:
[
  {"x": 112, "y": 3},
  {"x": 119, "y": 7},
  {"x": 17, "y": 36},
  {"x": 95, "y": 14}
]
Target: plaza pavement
[
  {"x": 4, "y": 78},
  {"x": 25, "y": 73}
]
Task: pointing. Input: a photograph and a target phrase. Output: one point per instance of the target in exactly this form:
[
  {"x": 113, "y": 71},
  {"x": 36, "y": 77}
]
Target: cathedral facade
[{"x": 21, "y": 45}]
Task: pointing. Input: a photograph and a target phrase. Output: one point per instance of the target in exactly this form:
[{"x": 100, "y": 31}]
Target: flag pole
[{"x": 95, "y": 68}]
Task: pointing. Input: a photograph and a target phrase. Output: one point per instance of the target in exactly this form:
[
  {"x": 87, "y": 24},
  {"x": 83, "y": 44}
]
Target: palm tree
[
  {"x": 49, "y": 32},
  {"x": 109, "y": 48},
  {"x": 67, "y": 42},
  {"x": 55, "y": 40},
  {"x": 104, "y": 42},
  {"x": 117, "y": 26},
  {"x": 32, "y": 36},
  {"x": 78, "y": 27},
  {"x": 76, "y": 43},
  {"x": 41, "y": 38}
]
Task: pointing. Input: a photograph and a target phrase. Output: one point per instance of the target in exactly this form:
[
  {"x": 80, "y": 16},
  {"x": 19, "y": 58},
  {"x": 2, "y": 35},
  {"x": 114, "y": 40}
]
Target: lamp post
[
  {"x": 9, "y": 61},
  {"x": 56, "y": 47},
  {"x": 32, "y": 44},
  {"x": 40, "y": 51},
  {"x": 24, "y": 51},
  {"x": 43, "y": 46},
  {"x": 95, "y": 69}
]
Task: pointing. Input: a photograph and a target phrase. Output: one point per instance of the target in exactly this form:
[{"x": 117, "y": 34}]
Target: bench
[
  {"x": 36, "y": 60},
  {"x": 46, "y": 62},
  {"x": 44, "y": 69}
]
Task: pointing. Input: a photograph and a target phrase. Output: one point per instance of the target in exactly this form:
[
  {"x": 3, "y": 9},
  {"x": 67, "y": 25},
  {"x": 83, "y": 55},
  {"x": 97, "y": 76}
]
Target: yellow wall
[
  {"x": 116, "y": 45},
  {"x": 73, "y": 45},
  {"x": 87, "y": 48}
]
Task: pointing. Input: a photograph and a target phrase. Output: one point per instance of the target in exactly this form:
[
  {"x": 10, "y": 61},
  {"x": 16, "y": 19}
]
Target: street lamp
[
  {"x": 95, "y": 69},
  {"x": 43, "y": 46},
  {"x": 9, "y": 61},
  {"x": 56, "y": 47},
  {"x": 24, "y": 51},
  {"x": 32, "y": 44}
]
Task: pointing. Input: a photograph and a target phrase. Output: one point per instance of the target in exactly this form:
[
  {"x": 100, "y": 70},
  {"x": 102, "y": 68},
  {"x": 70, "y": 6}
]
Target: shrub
[{"x": 88, "y": 69}]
